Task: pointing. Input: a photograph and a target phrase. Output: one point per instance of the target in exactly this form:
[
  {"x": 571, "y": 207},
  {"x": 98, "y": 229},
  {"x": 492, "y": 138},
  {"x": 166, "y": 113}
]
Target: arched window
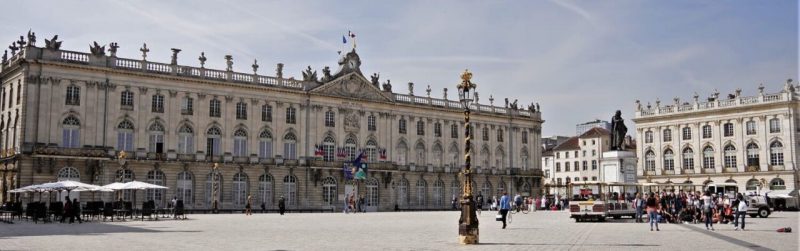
[
  {"x": 214, "y": 108},
  {"x": 350, "y": 148},
  {"x": 752, "y": 155},
  {"x": 669, "y": 160},
  {"x": 730, "y": 156},
  {"x": 422, "y": 191},
  {"x": 485, "y": 157},
  {"x": 265, "y": 144},
  {"x": 125, "y": 175},
  {"x": 156, "y": 177},
  {"x": 454, "y": 155},
  {"x": 650, "y": 161},
  {"x": 156, "y": 134},
  {"x": 372, "y": 192},
  {"x": 401, "y": 126},
  {"x": 420, "y": 153},
  {"x": 648, "y": 137},
  {"x": 186, "y": 140},
  {"x": 371, "y": 150},
  {"x": 455, "y": 188},
  {"x": 266, "y": 113},
  {"x": 402, "y": 153},
  {"x": 239, "y": 189},
  {"x": 214, "y": 140},
  {"x": 265, "y": 190},
  {"x": 776, "y": 153},
  {"x": 402, "y": 192},
  {"x": 751, "y": 185},
  {"x": 330, "y": 119},
  {"x": 500, "y": 157},
  {"x": 290, "y": 190},
  {"x": 329, "y": 191},
  {"x": 486, "y": 189},
  {"x": 437, "y": 154},
  {"x": 499, "y": 135},
  {"x": 290, "y": 146},
  {"x": 69, "y": 174},
  {"x": 777, "y": 184},
  {"x": 420, "y": 127},
  {"x": 72, "y": 132},
  {"x": 73, "y": 95},
  {"x": 241, "y": 110},
  {"x": 667, "y": 135},
  {"x": 708, "y": 157},
  {"x": 183, "y": 190},
  {"x": 240, "y": 143},
  {"x": 125, "y": 136},
  {"x": 688, "y": 159},
  {"x": 210, "y": 189},
  {"x": 438, "y": 193},
  {"x": 328, "y": 146}
]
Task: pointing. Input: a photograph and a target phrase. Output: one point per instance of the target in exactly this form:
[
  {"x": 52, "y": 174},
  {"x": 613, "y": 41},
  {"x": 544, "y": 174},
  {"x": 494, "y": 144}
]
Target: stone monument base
[{"x": 618, "y": 166}]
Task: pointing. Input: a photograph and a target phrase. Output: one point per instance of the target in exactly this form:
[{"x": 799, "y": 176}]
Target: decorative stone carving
[
  {"x": 411, "y": 88},
  {"x": 21, "y": 42},
  {"x": 353, "y": 86},
  {"x": 326, "y": 74},
  {"x": 229, "y": 62},
  {"x": 279, "y": 70},
  {"x": 175, "y": 56},
  {"x": 202, "y": 59},
  {"x": 310, "y": 75},
  {"x": 53, "y": 43},
  {"x": 387, "y": 87},
  {"x": 445, "y": 93},
  {"x": 13, "y": 48},
  {"x": 31, "y": 38},
  {"x": 255, "y": 66},
  {"x": 97, "y": 50},
  {"x": 374, "y": 79},
  {"x": 112, "y": 49},
  {"x": 144, "y": 51}
]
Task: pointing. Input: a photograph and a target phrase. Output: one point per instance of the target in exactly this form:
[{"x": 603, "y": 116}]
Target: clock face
[{"x": 351, "y": 63}]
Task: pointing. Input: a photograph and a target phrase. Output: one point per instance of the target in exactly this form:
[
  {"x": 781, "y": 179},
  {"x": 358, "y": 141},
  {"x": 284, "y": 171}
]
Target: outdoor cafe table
[{"x": 6, "y": 216}]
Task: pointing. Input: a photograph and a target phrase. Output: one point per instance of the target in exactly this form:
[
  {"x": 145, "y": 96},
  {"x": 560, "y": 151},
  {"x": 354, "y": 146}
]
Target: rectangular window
[
  {"x": 558, "y": 167},
  {"x": 437, "y": 130},
  {"x": 156, "y": 143},
  {"x": 687, "y": 133},
  {"x": 420, "y": 128},
  {"x": 185, "y": 143},
  {"x": 125, "y": 141},
  {"x": 330, "y": 119},
  {"x": 212, "y": 147},
  {"x": 401, "y": 126},
  {"x": 214, "y": 109},
  {"x": 454, "y": 131},
  {"x": 126, "y": 100},
  {"x": 524, "y": 137},
  {"x": 585, "y": 165},
  {"x": 751, "y": 127},
  {"x": 774, "y": 125},
  {"x": 706, "y": 131},
  {"x": 266, "y": 113},
  {"x": 240, "y": 147},
  {"x": 371, "y": 126},
  {"x": 566, "y": 167},
  {"x": 728, "y": 129},
  {"x": 73, "y": 96},
  {"x": 290, "y": 116},
  {"x": 187, "y": 106},
  {"x": 241, "y": 110},
  {"x": 265, "y": 149},
  {"x": 594, "y": 164},
  {"x": 289, "y": 150},
  {"x": 158, "y": 104}
]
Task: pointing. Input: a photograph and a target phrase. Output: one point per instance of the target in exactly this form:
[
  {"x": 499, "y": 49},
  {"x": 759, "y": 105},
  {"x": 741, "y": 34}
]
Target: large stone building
[
  {"x": 67, "y": 115},
  {"x": 748, "y": 140}
]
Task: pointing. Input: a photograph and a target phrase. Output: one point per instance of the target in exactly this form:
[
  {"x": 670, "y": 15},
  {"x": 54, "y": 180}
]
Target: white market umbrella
[
  {"x": 138, "y": 185},
  {"x": 115, "y": 186}
]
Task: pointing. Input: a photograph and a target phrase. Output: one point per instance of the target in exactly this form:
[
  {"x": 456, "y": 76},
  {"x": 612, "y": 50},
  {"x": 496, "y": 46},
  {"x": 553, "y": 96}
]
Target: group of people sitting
[{"x": 683, "y": 207}]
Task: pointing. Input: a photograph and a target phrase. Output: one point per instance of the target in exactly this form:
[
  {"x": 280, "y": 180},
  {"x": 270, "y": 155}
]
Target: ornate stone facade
[
  {"x": 66, "y": 115},
  {"x": 751, "y": 141}
]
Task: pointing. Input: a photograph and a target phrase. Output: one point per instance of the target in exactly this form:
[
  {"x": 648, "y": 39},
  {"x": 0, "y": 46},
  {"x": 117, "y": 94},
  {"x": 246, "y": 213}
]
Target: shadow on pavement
[
  {"x": 566, "y": 244},
  {"x": 728, "y": 239},
  {"x": 97, "y": 228}
]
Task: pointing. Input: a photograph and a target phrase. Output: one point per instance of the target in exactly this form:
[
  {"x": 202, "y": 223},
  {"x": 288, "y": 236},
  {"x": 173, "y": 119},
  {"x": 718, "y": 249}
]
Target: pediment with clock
[{"x": 353, "y": 85}]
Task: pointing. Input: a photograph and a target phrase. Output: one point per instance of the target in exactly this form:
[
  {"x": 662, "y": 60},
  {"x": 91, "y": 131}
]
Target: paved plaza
[{"x": 391, "y": 231}]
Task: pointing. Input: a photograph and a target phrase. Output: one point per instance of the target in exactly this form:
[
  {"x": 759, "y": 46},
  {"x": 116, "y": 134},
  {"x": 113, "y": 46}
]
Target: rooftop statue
[
  {"x": 374, "y": 79},
  {"x": 53, "y": 43},
  {"x": 387, "y": 87},
  {"x": 618, "y": 131},
  {"x": 31, "y": 38},
  {"x": 326, "y": 74},
  {"x": 309, "y": 75},
  {"x": 97, "y": 50}
]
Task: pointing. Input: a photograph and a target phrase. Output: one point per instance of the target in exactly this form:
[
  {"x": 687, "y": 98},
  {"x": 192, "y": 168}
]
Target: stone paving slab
[{"x": 393, "y": 231}]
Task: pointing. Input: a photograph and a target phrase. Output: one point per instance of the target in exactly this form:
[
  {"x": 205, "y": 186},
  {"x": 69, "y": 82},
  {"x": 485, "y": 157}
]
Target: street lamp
[
  {"x": 468, "y": 222},
  {"x": 215, "y": 202}
]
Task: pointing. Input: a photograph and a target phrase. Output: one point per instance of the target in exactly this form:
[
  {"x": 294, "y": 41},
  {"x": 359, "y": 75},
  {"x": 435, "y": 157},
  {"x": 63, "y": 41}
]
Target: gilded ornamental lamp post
[
  {"x": 215, "y": 202},
  {"x": 468, "y": 223}
]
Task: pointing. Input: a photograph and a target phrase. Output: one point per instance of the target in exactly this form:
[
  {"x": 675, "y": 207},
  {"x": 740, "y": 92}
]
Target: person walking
[
  {"x": 544, "y": 203},
  {"x": 638, "y": 203},
  {"x": 346, "y": 204},
  {"x": 652, "y": 211},
  {"x": 479, "y": 202},
  {"x": 741, "y": 212},
  {"x": 708, "y": 210},
  {"x": 282, "y": 205},
  {"x": 248, "y": 209},
  {"x": 504, "y": 206},
  {"x": 67, "y": 210},
  {"x": 76, "y": 212},
  {"x": 517, "y": 202},
  {"x": 361, "y": 207}
]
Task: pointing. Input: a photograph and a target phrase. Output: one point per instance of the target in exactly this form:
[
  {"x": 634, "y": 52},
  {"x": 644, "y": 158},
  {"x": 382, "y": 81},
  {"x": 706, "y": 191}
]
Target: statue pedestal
[{"x": 618, "y": 166}]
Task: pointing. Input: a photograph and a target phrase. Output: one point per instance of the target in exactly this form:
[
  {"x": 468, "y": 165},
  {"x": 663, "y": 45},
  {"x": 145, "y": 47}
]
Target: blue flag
[
  {"x": 344, "y": 40},
  {"x": 348, "y": 174}
]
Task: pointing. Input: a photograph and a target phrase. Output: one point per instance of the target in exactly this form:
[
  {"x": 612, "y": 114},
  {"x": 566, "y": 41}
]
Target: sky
[{"x": 580, "y": 60}]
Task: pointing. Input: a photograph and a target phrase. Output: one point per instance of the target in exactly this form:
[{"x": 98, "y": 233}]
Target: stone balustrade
[{"x": 715, "y": 104}]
